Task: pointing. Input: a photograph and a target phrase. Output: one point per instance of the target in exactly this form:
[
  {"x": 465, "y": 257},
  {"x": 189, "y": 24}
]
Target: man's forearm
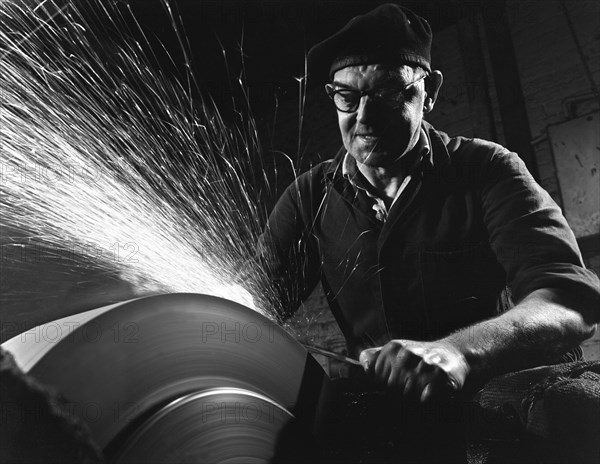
[{"x": 537, "y": 331}]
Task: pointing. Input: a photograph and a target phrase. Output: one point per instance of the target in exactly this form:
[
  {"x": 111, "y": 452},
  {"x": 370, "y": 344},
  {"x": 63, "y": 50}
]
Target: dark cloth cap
[{"x": 389, "y": 34}]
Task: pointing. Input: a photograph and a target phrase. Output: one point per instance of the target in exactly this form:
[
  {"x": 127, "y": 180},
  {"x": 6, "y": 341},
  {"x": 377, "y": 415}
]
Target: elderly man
[{"x": 443, "y": 261}]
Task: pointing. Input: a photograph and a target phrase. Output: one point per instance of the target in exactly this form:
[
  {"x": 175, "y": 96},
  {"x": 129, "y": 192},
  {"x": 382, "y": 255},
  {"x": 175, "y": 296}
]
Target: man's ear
[{"x": 432, "y": 87}]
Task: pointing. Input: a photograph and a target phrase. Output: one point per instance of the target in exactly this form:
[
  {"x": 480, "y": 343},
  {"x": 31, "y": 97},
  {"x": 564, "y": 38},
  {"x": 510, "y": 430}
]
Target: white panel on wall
[{"x": 576, "y": 148}]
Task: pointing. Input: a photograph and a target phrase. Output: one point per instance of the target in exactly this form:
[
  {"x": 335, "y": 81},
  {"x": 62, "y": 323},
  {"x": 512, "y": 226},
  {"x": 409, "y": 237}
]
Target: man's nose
[{"x": 366, "y": 109}]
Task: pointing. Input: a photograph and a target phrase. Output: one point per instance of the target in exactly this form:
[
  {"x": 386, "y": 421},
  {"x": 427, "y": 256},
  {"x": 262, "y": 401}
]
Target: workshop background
[{"x": 524, "y": 73}]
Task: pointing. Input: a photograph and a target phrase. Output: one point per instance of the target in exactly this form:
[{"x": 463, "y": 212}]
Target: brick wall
[{"x": 551, "y": 71}]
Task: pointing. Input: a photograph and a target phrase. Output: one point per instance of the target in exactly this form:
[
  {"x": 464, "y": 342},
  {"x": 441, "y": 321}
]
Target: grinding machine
[
  {"x": 191, "y": 378},
  {"x": 181, "y": 378}
]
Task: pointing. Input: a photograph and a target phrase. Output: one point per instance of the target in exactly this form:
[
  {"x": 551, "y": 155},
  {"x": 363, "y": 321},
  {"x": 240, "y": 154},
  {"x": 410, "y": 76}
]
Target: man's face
[{"x": 375, "y": 134}]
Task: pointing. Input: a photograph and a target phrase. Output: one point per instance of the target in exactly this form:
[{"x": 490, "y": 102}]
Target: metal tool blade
[{"x": 331, "y": 354}]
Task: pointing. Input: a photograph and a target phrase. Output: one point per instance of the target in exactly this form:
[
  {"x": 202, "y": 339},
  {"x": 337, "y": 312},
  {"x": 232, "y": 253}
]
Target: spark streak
[{"x": 109, "y": 174}]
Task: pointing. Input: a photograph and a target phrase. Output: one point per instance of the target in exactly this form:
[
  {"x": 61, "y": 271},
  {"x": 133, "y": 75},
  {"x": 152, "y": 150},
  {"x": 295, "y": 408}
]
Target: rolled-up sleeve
[{"x": 529, "y": 234}]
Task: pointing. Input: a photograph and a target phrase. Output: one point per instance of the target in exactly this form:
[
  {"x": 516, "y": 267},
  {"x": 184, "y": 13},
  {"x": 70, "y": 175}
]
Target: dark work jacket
[{"x": 471, "y": 230}]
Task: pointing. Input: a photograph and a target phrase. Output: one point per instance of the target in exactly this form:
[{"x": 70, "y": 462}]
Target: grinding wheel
[
  {"x": 226, "y": 424},
  {"x": 181, "y": 378}
]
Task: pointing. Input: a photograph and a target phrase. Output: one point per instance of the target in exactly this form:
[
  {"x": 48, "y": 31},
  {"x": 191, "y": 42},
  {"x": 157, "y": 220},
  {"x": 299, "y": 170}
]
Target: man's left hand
[{"x": 422, "y": 370}]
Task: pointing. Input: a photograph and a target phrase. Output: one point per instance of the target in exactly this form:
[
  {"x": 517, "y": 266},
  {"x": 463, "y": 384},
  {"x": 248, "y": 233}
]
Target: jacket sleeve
[
  {"x": 529, "y": 234},
  {"x": 287, "y": 250}
]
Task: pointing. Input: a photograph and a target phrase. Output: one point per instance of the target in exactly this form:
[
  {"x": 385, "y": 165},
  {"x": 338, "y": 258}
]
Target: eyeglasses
[{"x": 347, "y": 100}]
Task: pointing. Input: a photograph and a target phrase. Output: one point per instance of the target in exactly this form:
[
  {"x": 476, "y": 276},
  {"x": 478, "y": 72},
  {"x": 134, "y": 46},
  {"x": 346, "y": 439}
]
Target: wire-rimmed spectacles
[{"x": 348, "y": 100}]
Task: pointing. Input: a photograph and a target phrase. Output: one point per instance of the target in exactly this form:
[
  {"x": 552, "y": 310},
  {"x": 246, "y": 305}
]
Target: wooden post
[
  {"x": 511, "y": 101},
  {"x": 482, "y": 115}
]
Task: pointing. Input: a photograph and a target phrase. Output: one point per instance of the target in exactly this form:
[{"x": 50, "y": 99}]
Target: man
[{"x": 443, "y": 261}]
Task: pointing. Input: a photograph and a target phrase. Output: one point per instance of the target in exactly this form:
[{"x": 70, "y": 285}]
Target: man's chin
[{"x": 377, "y": 159}]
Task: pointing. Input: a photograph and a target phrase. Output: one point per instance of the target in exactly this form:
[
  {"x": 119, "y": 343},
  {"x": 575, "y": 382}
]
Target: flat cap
[{"x": 389, "y": 34}]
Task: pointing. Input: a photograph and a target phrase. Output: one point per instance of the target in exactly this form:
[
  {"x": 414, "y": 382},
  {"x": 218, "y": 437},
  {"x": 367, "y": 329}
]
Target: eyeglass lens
[{"x": 348, "y": 100}]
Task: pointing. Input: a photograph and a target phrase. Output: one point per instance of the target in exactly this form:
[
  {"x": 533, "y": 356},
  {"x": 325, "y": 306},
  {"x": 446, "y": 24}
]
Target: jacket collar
[{"x": 438, "y": 157}]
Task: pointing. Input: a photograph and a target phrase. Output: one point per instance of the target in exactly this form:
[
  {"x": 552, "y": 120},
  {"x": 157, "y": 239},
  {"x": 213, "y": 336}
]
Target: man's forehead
[{"x": 381, "y": 73}]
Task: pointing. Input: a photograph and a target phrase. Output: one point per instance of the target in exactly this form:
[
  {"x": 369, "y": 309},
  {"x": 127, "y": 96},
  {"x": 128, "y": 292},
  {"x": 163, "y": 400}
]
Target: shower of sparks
[{"x": 107, "y": 168}]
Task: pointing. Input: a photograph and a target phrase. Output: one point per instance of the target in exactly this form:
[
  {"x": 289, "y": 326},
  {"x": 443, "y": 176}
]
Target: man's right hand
[{"x": 419, "y": 370}]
